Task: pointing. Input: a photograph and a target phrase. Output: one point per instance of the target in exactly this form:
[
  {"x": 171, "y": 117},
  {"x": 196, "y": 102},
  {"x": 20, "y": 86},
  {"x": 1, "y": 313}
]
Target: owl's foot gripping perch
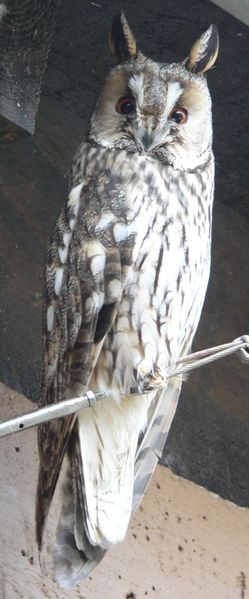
[{"x": 147, "y": 380}]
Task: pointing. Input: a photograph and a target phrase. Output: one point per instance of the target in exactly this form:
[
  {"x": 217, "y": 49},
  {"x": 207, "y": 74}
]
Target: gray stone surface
[{"x": 26, "y": 30}]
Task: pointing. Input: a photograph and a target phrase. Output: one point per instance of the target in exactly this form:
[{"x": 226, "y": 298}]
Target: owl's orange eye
[
  {"x": 125, "y": 105},
  {"x": 179, "y": 115}
]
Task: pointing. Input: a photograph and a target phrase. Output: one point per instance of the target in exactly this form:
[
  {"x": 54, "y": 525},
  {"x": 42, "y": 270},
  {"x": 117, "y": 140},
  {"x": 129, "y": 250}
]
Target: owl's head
[{"x": 160, "y": 110}]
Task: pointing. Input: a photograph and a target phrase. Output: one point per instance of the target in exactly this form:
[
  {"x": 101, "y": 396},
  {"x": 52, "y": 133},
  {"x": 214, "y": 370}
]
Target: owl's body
[
  {"x": 127, "y": 271},
  {"x": 164, "y": 214}
]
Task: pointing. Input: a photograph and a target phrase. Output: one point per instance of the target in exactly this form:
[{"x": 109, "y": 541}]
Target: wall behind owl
[{"x": 209, "y": 440}]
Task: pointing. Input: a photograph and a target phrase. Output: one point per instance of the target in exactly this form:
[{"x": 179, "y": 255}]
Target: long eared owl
[{"x": 126, "y": 275}]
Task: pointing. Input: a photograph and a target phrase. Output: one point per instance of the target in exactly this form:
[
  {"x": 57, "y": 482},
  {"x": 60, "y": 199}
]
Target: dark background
[{"x": 209, "y": 440}]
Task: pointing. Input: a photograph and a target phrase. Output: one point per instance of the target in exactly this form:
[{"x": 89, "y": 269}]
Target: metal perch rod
[{"x": 70, "y": 406}]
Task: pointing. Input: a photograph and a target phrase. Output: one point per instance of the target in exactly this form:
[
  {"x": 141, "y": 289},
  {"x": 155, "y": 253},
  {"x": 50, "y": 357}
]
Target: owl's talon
[{"x": 148, "y": 382}]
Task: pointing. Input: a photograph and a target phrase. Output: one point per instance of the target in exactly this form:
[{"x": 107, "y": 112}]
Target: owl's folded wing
[{"x": 84, "y": 279}]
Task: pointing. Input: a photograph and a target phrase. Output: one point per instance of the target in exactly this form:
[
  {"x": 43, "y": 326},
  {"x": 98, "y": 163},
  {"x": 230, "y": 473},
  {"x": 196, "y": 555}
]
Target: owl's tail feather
[
  {"x": 70, "y": 564},
  {"x": 151, "y": 446},
  {"x": 94, "y": 519}
]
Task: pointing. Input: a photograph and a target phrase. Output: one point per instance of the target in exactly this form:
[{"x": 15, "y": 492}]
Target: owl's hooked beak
[
  {"x": 146, "y": 132},
  {"x": 147, "y": 140},
  {"x": 149, "y": 133}
]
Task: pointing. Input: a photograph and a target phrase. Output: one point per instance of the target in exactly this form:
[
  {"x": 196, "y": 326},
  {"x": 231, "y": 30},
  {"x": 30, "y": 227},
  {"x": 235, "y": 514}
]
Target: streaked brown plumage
[{"x": 127, "y": 269}]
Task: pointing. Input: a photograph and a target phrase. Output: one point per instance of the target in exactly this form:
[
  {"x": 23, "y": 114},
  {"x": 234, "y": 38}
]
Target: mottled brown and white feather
[{"x": 126, "y": 275}]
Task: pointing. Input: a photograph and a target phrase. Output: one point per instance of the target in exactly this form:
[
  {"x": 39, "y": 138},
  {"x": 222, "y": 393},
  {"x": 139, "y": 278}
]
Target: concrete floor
[{"x": 183, "y": 542}]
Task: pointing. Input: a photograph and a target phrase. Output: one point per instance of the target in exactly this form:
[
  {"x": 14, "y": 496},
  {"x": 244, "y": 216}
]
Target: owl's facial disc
[
  {"x": 149, "y": 111},
  {"x": 156, "y": 110}
]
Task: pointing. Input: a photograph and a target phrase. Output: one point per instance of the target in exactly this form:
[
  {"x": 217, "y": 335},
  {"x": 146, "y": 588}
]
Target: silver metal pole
[
  {"x": 50, "y": 412},
  {"x": 239, "y": 343},
  {"x": 207, "y": 356},
  {"x": 70, "y": 406}
]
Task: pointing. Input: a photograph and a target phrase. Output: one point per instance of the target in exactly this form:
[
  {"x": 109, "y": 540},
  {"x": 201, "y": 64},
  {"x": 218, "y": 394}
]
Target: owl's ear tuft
[
  {"x": 204, "y": 52},
  {"x": 122, "y": 41}
]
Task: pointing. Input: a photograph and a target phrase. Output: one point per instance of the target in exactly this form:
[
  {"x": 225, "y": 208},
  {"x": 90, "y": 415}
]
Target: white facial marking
[
  {"x": 58, "y": 280},
  {"x": 174, "y": 92},
  {"x": 50, "y": 318},
  {"x": 136, "y": 85}
]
